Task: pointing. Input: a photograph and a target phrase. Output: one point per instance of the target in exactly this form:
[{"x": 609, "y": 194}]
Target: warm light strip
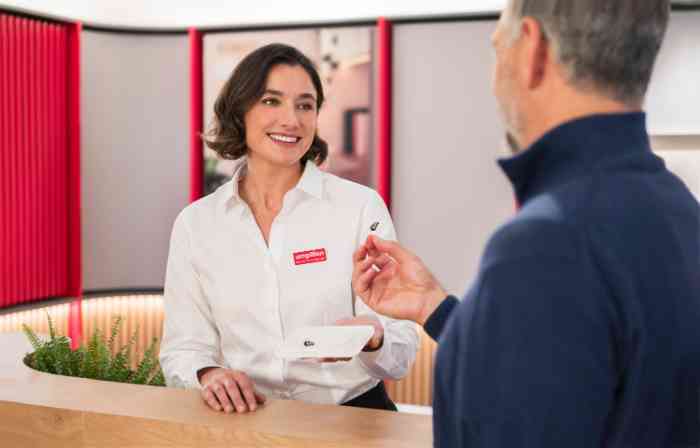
[{"x": 36, "y": 319}]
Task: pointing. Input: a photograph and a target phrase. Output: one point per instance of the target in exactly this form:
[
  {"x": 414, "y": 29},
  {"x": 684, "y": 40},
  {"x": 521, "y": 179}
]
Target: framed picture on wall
[{"x": 344, "y": 59}]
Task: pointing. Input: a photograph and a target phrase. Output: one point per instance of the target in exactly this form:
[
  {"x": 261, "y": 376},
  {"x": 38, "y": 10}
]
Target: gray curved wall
[{"x": 135, "y": 156}]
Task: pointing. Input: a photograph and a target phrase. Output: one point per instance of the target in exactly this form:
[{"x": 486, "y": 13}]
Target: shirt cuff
[
  {"x": 379, "y": 362},
  {"x": 436, "y": 321},
  {"x": 194, "y": 380}
]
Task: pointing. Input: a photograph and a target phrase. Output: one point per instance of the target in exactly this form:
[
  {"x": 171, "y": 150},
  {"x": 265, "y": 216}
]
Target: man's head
[{"x": 560, "y": 59}]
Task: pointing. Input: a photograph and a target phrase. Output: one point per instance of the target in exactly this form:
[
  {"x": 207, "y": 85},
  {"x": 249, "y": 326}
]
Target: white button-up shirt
[{"x": 230, "y": 299}]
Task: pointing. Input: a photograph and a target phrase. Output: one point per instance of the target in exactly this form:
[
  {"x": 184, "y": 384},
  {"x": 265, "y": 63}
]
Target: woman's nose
[{"x": 289, "y": 117}]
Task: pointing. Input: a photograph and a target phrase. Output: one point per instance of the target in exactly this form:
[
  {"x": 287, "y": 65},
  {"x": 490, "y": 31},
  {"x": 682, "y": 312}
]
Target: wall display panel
[
  {"x": 135, "y": 157},
  {"x": 344, "y": 59},
  {"x": 448, "y": 194},
  {"x": 673, "y": 101}
]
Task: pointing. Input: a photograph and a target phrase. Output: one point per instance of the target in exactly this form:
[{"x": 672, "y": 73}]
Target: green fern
[
  {"x": 98, "y": 359},
  {"x": 116, "y": 327},
  {"x": 52, "y": 330},
  {"x": 33, "y": 338},
  {"x": 147, "y": 365}
]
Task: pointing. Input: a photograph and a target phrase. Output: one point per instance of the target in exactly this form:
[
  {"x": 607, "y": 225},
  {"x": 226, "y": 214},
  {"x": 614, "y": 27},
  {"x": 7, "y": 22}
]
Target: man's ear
[{"x": 534, "y": 57}]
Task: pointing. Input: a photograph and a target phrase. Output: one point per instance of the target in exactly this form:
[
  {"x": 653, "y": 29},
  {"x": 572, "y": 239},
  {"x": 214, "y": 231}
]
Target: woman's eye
[{"x": 270, "y": 101}]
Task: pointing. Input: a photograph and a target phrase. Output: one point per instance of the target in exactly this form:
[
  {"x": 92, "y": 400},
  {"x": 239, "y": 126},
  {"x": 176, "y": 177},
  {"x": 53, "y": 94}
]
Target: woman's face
[{"x": 281, "y": 125}]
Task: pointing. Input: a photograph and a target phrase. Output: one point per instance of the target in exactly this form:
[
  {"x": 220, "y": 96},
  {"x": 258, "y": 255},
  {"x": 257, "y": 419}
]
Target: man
[{"x": 583, "y": 326}]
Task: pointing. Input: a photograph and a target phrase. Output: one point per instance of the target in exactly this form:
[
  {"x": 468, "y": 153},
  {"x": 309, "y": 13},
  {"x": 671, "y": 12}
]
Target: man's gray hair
[{"x": 606, "y": 45}]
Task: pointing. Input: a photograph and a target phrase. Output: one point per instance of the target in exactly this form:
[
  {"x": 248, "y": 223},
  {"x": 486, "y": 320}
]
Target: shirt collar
[
  {"x": 574, "y": 148},
  {"x": 311, "y": 182}
]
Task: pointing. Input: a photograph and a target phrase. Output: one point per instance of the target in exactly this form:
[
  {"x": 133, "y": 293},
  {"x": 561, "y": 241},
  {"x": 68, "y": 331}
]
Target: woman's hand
[
  {"x": 377, "y": 339},
  {"x": 228, "y": 390}
]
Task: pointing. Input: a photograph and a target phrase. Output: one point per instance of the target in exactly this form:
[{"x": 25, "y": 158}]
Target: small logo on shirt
[
  {"x": 310, "y": 256},
  {"x": 374, "y": 226},
  {"x": 308, "y": 343}
]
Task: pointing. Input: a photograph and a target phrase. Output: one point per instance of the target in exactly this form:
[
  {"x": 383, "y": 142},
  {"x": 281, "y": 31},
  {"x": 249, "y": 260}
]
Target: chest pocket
[{"x": 318, "y": 292}]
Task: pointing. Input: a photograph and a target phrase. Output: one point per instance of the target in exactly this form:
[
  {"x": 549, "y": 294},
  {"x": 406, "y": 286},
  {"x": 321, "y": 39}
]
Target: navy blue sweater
[{"x": 583, "y": 326}]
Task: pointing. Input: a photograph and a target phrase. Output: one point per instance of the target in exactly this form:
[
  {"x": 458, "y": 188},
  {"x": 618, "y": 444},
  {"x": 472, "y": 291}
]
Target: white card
[{"x": 333, "y": 341}]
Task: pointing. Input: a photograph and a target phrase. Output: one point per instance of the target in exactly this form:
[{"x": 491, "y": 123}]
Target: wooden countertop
[{"x": 43, "y": 410}]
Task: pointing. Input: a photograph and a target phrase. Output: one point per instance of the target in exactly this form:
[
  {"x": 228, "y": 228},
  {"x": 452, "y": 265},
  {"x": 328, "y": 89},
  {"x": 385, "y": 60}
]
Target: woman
[{"x": 271, "y": 251}]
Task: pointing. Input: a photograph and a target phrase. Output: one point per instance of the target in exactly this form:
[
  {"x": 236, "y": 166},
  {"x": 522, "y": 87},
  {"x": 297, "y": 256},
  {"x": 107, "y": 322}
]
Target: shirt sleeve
[
  {"x": 190, "y": 338},
  {"x": 398, "y": 351},
  {"x": 528, "y": 359}
]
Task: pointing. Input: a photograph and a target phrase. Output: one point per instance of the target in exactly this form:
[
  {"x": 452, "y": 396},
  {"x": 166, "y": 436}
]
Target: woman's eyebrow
[{"x": 280, "y": 93}]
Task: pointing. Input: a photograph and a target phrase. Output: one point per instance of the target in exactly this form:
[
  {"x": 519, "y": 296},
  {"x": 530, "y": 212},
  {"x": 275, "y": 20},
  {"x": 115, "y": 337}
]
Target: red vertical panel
[
  {"x": 73, "y": 197},
  {"x": 73, "y": 184},
  {"x": 11, "y": 157},
  {"x": 36, "y": 201},
  {"x": 33, "y": 198},
  {"x": 23, "y": 166},
  {"x": 74, "y": 231},
  {"x": 196, "y": 118},
  {"x": 384, "y": 110},
  {"x": 4, "y": 150},
  {"x": 61, "y": 171},
  {"x": 57, "y": 236},
  {"x": 45, "y": 178}
]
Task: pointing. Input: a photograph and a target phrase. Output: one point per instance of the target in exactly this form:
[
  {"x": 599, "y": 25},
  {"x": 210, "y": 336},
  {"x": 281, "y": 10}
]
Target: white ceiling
[{"x": 181, "y": 14}]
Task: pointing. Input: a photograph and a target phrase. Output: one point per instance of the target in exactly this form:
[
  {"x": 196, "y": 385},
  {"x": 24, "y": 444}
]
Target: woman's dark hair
[{"x": 246, "y": 86}]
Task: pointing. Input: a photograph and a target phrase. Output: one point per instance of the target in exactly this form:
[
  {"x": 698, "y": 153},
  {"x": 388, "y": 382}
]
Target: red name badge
[{"x": 310, "y": 256}]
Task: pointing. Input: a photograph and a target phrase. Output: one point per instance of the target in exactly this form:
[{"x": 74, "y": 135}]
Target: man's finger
[
  {"x": 394, "y": 249},
  {"x": 360, "y": 253},
  {"x": 365, "y": 264},
  {"x": 363, "y": 281},
  {"x": 383, "y": 261},
  {"x": 260, "y": 397}
]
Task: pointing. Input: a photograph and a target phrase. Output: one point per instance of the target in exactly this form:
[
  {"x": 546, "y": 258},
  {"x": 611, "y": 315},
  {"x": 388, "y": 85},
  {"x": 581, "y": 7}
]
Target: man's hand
[
  {"x": 229, "y": 390},
  {"x": 394, "y": 282}
]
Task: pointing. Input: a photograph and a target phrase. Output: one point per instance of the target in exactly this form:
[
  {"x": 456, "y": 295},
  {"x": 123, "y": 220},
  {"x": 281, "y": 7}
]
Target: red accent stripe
[
  {"x": 75, "y": 323},
  {"x": 73, "y": 200},
  {"x": 196, "y": 118},
  {"x": 384, "y": 110}
]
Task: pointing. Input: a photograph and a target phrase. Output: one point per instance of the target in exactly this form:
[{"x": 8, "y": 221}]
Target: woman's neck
[{"x": 264, "y": 185}]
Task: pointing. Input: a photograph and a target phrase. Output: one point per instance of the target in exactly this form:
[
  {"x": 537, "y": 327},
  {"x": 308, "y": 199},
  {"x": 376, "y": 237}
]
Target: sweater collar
[{"x": 574, "y": 148}]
